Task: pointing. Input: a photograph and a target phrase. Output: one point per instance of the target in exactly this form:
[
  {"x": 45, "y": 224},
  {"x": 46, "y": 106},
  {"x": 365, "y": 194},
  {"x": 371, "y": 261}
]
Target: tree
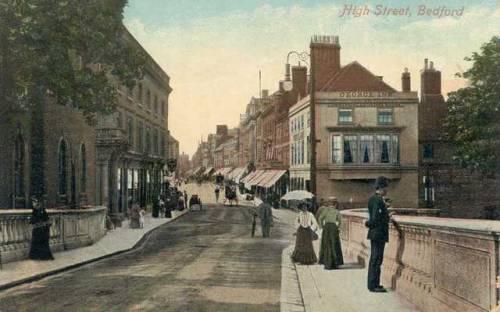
[
  {"x": 473, "y": 120},
  {"x": 74, "y": 50}
]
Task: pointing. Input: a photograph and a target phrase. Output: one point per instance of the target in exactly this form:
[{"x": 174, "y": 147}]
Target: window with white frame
[
  {"x": 350, "y": 149},
  {"x": 336, "y": 149},
  {"x": 345, "y": 116},
  {"x": 365, "y": 149},
  {"x": 385, "y": 116}
]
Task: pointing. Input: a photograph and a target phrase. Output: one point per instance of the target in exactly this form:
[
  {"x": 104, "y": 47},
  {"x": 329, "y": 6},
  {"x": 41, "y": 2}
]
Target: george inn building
[{"x": 365, "y": 128}]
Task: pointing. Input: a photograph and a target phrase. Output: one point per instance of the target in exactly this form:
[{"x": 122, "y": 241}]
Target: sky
[{"x": 213, "y": 50}]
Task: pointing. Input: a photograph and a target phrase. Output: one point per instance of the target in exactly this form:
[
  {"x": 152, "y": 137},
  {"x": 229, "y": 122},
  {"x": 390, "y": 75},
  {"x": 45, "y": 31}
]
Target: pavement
[{"x": 116, "y": 241}]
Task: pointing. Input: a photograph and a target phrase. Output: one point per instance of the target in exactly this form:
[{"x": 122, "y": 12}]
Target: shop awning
[
  {"x": 258, "y": 178},
  {"x": 226, "y": 171},
  {"x": 272, "y": 179},
  {"x": 208, "y": 171},
  {"x": 236, "y": 174},
  {"x": 249, "y": 176},
  {"x": 198, "y": 170}
]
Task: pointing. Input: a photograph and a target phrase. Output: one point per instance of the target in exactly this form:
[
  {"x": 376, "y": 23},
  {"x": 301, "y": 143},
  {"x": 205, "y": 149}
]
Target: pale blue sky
[{"x": 213, "y": 50}]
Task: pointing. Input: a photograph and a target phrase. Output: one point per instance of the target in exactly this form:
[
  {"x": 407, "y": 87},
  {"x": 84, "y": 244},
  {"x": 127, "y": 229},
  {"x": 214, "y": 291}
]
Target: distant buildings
[{"x": 364, "y": 128}]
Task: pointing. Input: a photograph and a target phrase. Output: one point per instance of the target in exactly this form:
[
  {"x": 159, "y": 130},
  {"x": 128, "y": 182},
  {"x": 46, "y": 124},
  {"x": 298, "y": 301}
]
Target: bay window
[{"x": 365, "y": 149}]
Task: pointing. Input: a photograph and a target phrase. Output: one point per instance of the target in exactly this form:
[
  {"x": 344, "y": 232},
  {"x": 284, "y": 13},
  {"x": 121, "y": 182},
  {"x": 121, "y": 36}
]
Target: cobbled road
[{"x": 204, "y": 261}]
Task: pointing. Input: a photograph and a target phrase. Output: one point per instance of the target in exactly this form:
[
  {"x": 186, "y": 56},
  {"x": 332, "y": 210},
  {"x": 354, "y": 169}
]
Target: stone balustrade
[
  {"x": 71, "y": 228},
  {"x": 439, "y": 264}
]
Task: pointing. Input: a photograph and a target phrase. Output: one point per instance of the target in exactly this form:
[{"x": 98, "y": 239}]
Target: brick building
[
  {"x": 67, "y": 157},
  {"x": 457, "y": 192},
  {"x": 132, "y": 144},
  {"x": 366, "y": 129}
]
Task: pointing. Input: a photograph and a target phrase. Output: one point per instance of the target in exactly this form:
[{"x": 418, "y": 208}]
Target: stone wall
[
  {"x": 439, "y": 264},
  {"x": 70, "y": 229}
]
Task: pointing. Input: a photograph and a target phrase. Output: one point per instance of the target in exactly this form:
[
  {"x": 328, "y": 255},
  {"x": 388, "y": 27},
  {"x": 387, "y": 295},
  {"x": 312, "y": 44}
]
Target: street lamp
[
  {"x": 287, "y": 83},
  {"x": 287, "y": 86}
]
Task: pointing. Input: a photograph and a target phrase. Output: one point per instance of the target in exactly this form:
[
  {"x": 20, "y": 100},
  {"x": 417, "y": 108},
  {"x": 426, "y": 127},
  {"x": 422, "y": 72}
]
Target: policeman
[{"x": 378, "y": 233}]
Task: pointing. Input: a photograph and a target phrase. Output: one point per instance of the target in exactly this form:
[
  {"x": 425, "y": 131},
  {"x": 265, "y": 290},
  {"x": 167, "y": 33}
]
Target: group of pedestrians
[{"x": 328, "y": 219}]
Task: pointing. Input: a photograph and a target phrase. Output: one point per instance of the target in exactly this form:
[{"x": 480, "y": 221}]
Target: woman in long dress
[
  {"x": 40, "y": 248},
  {"x": 304, "y": 251},
  {"x": 330, "y": 254}
]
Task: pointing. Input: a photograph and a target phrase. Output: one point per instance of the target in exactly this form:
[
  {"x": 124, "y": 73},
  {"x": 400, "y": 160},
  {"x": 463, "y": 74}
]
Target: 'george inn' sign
[{"x": 364, "y": 94}]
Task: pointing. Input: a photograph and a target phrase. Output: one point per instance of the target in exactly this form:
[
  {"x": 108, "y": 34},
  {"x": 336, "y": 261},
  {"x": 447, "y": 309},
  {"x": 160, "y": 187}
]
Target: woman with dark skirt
[
  {"x": 168, "y": 206},
  {"x": 40, "y": 249},
  {"x": 330, "y": 254},
  {"x": 304, "y": 251}
]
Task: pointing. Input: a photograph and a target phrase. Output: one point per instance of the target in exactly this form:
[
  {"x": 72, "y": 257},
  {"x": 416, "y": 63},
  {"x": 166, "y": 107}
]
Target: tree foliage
[
  {"x": 473, "y": 120},
  {"x": 75, "y": 50}
]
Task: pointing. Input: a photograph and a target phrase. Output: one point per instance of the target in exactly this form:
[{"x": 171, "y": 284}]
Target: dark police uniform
[{"x": 378, "y": 234}]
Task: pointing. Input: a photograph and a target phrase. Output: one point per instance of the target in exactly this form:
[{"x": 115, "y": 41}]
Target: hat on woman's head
[
  {"x": 381, "y": 182},
  {"x": 332, "y": 198}
]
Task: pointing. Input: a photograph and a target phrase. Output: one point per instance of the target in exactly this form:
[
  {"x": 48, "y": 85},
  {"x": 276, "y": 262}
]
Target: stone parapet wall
[
  {"x": 439, "y": 264},
  {"x": 71, "y": 228}
]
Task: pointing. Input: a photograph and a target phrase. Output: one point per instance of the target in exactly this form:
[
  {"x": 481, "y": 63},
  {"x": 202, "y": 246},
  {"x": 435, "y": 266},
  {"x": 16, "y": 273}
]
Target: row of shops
[{"x": 257, "y": 182}]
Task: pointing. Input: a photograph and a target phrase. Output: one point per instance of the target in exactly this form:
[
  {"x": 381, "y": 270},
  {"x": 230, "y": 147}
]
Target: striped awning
[{"x": 272, "y": 178}]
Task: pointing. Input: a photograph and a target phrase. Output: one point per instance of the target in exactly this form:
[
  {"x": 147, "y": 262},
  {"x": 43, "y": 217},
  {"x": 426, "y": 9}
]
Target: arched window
[
  {"x": 83, "y": 177},
  {"x": 139, "y": 93},
  {"x": 148, "y": 98},
  {"x": 62, "y": 167},
  {"x": 19, "y": 167},
  {"x": 155, "y": 103}
]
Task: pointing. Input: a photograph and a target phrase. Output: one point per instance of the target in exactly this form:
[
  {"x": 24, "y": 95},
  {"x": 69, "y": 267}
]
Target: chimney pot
[
  {"x": 426, "y": 64},
  {"x": 406, "y": 81}
]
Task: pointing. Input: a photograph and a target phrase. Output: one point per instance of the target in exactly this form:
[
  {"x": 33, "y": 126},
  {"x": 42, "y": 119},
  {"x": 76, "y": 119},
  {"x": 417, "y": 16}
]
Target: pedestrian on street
[
  {"x": 186, "y": 198},
  {"x": 156, "y": 208},
  {"x": 168, "y": 206},
  {"x": 161, "y": 203},
  {"x": 266, "y": 218},
  {"x": 378, "y": 233},
  {"x": 134, "y": 214},
  {"x": 306, "y": 233},
  {"x": 40, "y": 235},
  {"x": 217, "y": 193},
  {"x": 330, "y": 254}
]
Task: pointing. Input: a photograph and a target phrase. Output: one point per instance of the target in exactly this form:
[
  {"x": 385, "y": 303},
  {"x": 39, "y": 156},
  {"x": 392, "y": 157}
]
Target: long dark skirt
[
  {"x": 304, "y": 251},
  {"x": 168, "y": 212},
  {"x": 40, "y": 249},
  {"x": 330, "y": 254}
]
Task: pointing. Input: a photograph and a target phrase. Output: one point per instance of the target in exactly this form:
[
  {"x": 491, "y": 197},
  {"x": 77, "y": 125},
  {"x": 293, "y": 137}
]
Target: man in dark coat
[
  {"x": 266, "y": 218},
  {"x": 378, "y": 233}
]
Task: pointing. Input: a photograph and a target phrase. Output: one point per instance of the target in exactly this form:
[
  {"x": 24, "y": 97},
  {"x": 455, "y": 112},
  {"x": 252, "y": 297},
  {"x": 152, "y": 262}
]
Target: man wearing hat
[{"x": 378, "y": 233}]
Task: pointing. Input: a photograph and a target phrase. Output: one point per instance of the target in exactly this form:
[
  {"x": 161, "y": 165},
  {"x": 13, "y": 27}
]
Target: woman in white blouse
[{"x": 306, "y": 233}]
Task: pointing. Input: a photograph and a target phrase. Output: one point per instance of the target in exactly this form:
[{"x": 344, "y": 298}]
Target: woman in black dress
[{"x": 40, "y": 249}]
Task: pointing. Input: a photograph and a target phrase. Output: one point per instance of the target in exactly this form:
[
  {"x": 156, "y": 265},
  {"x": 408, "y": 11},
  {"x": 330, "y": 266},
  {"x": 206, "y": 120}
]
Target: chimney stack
[
  {"x": 430, "y": 80},
  {"x": 299, "y": 80},
  {"x": 406, "y": 81},
  {"x": 265, "y": 94},
  {"x": 325, "y": 57}
]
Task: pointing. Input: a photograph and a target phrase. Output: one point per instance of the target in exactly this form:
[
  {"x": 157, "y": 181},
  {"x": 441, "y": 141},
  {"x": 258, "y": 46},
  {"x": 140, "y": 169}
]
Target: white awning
[{"x": 209, "y": 169}]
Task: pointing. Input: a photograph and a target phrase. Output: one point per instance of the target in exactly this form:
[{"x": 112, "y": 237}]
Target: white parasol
[{"x": 298, "y": 195}]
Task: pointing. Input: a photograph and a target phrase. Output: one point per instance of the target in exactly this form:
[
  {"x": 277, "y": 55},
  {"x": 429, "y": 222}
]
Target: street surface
[{"x": 204, "y": 261}]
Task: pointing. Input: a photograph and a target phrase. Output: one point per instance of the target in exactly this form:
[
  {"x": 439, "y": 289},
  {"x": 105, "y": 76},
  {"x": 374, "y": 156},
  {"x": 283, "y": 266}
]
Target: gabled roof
[{"x": 355, "y": 76}]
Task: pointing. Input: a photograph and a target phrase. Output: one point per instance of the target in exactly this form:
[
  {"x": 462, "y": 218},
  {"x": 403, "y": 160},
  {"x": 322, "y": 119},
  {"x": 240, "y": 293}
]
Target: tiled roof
[{"x": 355, "y": 76}]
